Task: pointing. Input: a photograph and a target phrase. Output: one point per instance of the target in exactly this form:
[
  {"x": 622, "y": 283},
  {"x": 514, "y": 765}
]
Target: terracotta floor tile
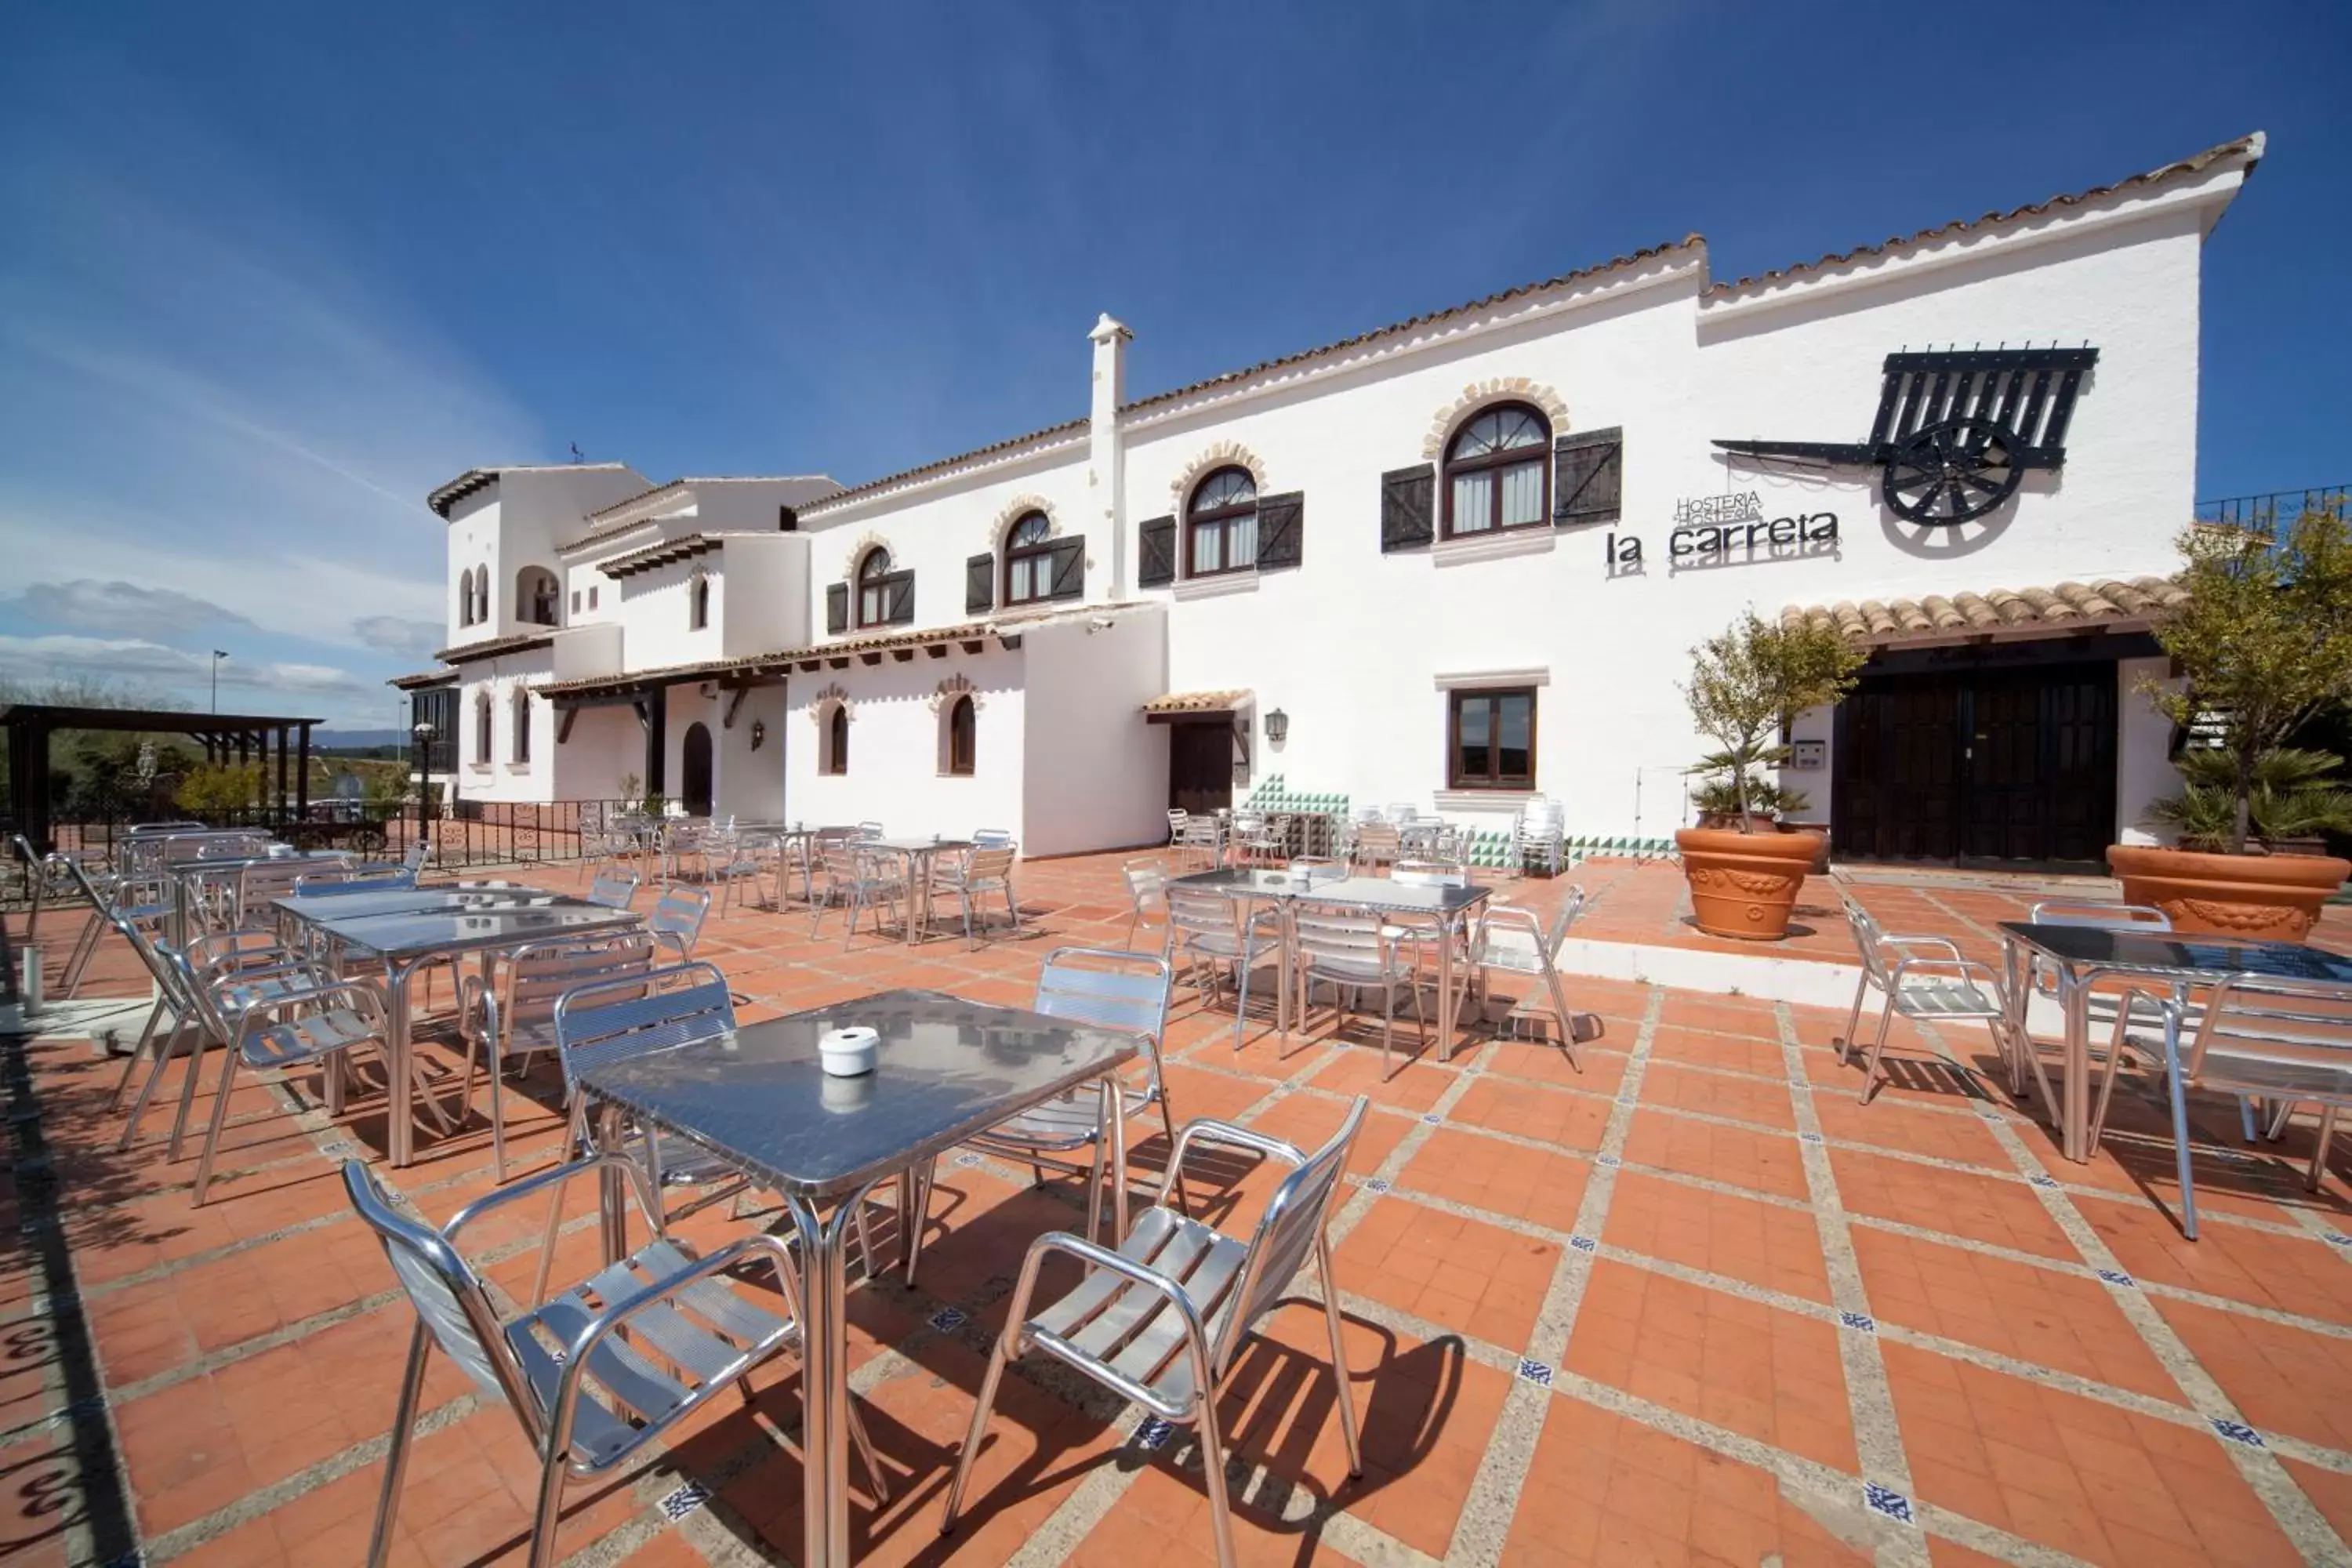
[
  {"x": 1742, "y": 1157},
  {"x": 2283, "y": 1379},
  {"x": 1763, "y": 1104},
  {"x": 1740, "y": 1238},
  {"x": 2297, "y": 1274},
  {"x": 1501, "y": 1178},
  {"x": 1977, "y": 1209},
  {"x": 1462, "y": 1273},
  {"x": 1552, "y": 1116}
]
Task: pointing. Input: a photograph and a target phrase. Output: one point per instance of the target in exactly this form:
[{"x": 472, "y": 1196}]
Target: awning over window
[
  {"x": 1178, "y": 705},
  {"x": 2067, "y": 610}
]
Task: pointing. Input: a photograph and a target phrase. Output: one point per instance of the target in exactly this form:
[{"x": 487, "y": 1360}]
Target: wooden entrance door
[
  {"x": 1201, "y": 765},
  {"x": 694, "y": 764},
  {"x": 2001, "y": 766}
]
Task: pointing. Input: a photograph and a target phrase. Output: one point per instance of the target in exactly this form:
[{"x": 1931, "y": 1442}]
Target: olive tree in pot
[
  {"x": 2264, "y": 643},
  {"x": 1747, "y": 686}
]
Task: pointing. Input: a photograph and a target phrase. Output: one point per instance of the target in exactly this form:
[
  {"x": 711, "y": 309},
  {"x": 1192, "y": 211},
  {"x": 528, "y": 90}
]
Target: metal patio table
[
  {"x": 2084, "y": 955},
  {"x": 185, "y": 876},
  {"x": 1448, "y": 907},
  {"x": 408, "y": 938},
  {"x": 757, "y": 1098},
  {"x": 917, "y": 855}
]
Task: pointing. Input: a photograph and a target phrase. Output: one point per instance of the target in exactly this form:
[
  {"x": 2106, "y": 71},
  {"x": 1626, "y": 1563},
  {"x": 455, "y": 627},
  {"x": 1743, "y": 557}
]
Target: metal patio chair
[
  {"x": 1204, "y": 927},
  {"x": 860, "y": 880},
  {"x": 46, "y": 879},
  {"x": 1177, "y": 818},
  {"x": 1147, "y": 890},
  {"x": 1202, "y": 839},
  {"x": 2133, "y": 1002},
  {"x": 1115, "y": 990},
  {"x": 1162, "y": 1319},
  {"x": 728, "y": 859},
  {"x": 971, "y": 878},
  {"x": 1353, "y": 953},
  {"x": 331, "y": 881},
  {"x": 992, "y": 839},
  {"x": 1255, "y": 838},
  {"x": 137, "y": 901},
  {"x": 288, "y": 1032},
  {"x": 2259, "y": 1038},
  {"x": 1512, "y": 940},
  {"x": 616, "y": 888},
  {"x": 677, "y": 920},
  {"x": 1377, "y": 844},
  {"x": 511, "y": 1020},
  {"x": 601, "y": 1370},
  {"x": 1925, "y": 977}
]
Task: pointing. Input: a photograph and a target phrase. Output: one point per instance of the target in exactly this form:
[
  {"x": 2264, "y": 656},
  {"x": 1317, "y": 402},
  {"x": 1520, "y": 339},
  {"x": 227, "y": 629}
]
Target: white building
[{"x": 1452, "y": 561}]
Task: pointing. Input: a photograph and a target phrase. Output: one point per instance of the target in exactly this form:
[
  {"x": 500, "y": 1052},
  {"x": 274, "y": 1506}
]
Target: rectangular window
[
  {"x": 1490, "y": 742},
  {"x": 1226, "y": 544},
  {"x": 575, "y": 601},
  {"x": 1027, "y": 578},
  {"x": 592, "y": 595}
]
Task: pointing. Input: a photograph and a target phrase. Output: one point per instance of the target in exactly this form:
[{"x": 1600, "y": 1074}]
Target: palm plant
[{"x": 2295, "y": 794}]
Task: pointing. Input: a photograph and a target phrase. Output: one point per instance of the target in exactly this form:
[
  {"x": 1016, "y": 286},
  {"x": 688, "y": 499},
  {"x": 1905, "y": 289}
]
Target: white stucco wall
[
  {"x": 897, "y": 773},
  {"x": 2144, "y": 771},
  {"x": 1096, "y": 774}
]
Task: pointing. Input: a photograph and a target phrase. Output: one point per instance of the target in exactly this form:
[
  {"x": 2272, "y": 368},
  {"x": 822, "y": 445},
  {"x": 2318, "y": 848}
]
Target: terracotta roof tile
[
  {"x": 423, "y": 678},
  {"x": 2249, "y": 146},
  {"x": 491, "y": 647},
  {"x": 1198, "y": 701},
  {"x": 2110, "y": 604}
]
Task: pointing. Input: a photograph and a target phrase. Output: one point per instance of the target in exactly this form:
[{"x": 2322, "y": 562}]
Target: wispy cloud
[
  {"x": 393, "y": 635},
  {"x": 88, "y": 604},
  {"x": 141, "y": 662}
]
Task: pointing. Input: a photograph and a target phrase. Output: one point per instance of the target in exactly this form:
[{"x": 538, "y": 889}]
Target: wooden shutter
[
  {"x": 1588, "y": 477},
  {"x": 1279, "y": 520},
  {"x": 1069, "y": 569},
  {"x": 836, "y": 607},
  {"x": 899, "y": 598},
  {"x": 1158, "y": 568},
  {"x": 1408, "y": 507},
  {"x": 979, "y": 584}
]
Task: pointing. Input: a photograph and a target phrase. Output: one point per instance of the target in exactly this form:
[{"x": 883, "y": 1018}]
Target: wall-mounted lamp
[
  {"x": 759, "y": 734},
  {"x": 1277, "y": 727}
]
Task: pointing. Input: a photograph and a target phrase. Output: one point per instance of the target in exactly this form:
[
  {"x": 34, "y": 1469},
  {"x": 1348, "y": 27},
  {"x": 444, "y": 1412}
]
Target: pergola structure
[{"x": 225, "y": 737}]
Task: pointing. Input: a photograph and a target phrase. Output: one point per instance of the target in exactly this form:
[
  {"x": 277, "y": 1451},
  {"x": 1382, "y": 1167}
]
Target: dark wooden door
[
  {"x": 2003, "y": 766},
  {"x": 694, "y": 767},
  {"x": 1200, "y": 766},
  {"x": 1895, "y": 793}
]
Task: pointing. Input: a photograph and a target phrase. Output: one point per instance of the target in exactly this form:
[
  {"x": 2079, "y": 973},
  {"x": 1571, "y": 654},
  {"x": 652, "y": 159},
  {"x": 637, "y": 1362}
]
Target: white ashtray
[{"x": 850, "y": 1052}]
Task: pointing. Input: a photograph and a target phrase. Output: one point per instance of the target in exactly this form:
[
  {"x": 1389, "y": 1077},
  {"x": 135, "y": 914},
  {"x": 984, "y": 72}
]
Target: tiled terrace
[{"x": 1690, "y": 1303}]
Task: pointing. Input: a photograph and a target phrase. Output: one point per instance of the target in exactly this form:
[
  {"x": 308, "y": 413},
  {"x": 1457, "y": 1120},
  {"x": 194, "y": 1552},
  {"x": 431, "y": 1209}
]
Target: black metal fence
[
  {"x": 2263, "y": 514},
  {"x": 474, "y": 832}
]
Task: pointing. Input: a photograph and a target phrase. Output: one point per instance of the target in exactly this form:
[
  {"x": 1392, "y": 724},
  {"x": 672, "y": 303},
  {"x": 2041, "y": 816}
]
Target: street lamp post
[
  {"x": 218, "y": 655},
  {"x": 424, "y": 731}
]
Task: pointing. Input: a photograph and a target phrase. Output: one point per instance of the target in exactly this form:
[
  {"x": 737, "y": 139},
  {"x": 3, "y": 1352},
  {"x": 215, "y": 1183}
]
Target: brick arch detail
[
  {"x": 1224, "y": 454},
  {"x": 1479, "y": 395},
  {"x": 1012, "y": 511}
]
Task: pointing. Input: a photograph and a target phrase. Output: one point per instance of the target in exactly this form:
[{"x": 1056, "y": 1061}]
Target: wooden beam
[
  {"x": 972, "y": 645},
  {"x": 563, "y": 723},
  {"x": 936, "y": 650},
  {"x": 836, "y": 664},
  {"x": 903, "y": 655},
  {"x": 728, "y": 721},
  {"x": 1010, "y": 644},
  {"x": 869, "y": 657}
]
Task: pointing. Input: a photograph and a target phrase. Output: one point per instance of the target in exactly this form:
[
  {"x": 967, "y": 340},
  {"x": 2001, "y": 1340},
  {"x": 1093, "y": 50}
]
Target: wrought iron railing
[{"x": 2263, "y": 514}]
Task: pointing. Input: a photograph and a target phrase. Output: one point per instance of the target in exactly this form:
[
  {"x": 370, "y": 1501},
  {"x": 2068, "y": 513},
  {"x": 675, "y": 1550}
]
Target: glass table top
[{"x": 2106, "y": 946}]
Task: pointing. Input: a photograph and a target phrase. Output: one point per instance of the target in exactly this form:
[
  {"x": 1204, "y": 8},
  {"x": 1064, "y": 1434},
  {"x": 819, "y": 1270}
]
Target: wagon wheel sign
[{"x": 1956, "y": 431}]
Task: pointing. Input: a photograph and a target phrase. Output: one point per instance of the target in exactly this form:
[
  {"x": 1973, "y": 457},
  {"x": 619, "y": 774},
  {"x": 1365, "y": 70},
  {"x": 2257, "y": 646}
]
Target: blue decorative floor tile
[
  {"x": 1861, "y": 1321},
  {"x": 1153, "y": 1435},
  {"x": 2042, "y": 1181},
  {"x": 966, "y": 1161},
  {"x": 1611, "y": 1161},
  {"x": 1811, "y": 1138},
  {"x": 2117, "y": 1277},
  {"x": 2338, "y": 1238},
  {"x": 2239, "y": 1432},
  {"x": 685, "y": 1500},
  {"x": 1377, "y": 1185},
  {"x": 1888, "y": 1503},
  {"x": 1583, "y": 1243},
  {"x": 1535, "y": 1371},
  {"x": 948, "y": 1320},
  {"x": 340, "y": 1149},
  {"x": 1432, "y": 1118}
]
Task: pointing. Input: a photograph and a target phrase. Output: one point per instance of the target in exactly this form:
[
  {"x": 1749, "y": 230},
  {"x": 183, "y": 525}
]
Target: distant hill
[{"x": 353, "y": 740}]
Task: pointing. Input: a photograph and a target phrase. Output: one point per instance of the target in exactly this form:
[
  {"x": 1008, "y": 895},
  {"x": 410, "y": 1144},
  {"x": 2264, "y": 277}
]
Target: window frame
[
  {"x": 1039, "y": 551},
  {"x": 1493, "y": 778},
  {"x": 482, "y": 729},
  {"x": 1539, "y": 454},
  {"x": 836, "y": 742},
  {"x": 698, "y": 602},
  {"x": 963, "y": 736},
  {"x": 873, "y": 584},
  {"x": 518, "y": 717},
  {"x": 1221, "y": 520}
]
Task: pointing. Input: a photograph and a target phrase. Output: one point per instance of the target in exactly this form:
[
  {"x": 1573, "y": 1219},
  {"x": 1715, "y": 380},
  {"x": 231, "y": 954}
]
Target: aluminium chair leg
[
  {"x": 998, "y": 1356},
  {"x": 1853, "y": 1019},
  {"x": 1878, "y": 1050},
  {"x": 916, "y": 1222},
  {"x": 549, "y": 1515},
  {"x": 2318, "y": 1175},
  {"x": 131, "y": 1063},
  {"x": 219, "y": 1124},
  {"x": 2181, "y": 1161},
  {"x": 396, "y": 1464},
  {"x": 1347, "y": 1399},
  {"x": 1213, "y": 1467},
  {"x": 1094, "y": 1194},
  {"x": 163, "y": 1046},
  {"x": 1175, "y": 1172}
]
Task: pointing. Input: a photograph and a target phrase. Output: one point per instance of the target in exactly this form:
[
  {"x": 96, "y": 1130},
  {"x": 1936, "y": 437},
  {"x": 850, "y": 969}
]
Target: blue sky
[{"x": 269, "y": 273}]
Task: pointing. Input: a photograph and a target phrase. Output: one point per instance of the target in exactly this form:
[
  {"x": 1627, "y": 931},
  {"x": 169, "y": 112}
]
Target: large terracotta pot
[
  {"x": 2260, "y": 897},
  {"x": 1744, "y": 884}
]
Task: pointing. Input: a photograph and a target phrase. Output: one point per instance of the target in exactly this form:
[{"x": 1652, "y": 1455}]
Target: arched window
[
  {"x": 836, "y": 739},
  {"x": 1028, "y": 560},
  {"x": 465, "y": 598},
  {"x": 520, "y": 720},
  {"x": 698, "y": 612},
  {"x": 482, "y": 728},
  {"x": 481, "y": 594},
  {"x": 1221, "y": 524},
  {"x": 1498, "y": 471},
  {"x": 964, "y": 733},
  {"x": 873, "y": 587},
  {"x": 536, "y": 595}
]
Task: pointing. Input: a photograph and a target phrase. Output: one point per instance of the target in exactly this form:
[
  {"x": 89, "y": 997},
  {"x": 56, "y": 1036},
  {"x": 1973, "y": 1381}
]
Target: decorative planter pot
[
  {"x": 1744, "y": 884},
  {"x": 2254, "y": 898}
]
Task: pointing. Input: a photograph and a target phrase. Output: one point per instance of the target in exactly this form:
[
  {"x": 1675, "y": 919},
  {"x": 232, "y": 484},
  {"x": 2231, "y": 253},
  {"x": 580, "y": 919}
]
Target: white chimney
[{"x": 1106, "y": 470}]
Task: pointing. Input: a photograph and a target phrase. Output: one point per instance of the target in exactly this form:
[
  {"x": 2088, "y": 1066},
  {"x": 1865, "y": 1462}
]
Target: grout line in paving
[{"x": 1869, "y": 1400}]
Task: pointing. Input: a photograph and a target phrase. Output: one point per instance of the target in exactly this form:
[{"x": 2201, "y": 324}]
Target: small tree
[
  {"x": 1749, "y": 684},
  {"x": 2265, "y": 641}
]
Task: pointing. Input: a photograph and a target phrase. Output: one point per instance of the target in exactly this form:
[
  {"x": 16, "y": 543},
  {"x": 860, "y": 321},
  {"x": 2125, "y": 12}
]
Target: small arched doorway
[{"x": 693, "y": 770}]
